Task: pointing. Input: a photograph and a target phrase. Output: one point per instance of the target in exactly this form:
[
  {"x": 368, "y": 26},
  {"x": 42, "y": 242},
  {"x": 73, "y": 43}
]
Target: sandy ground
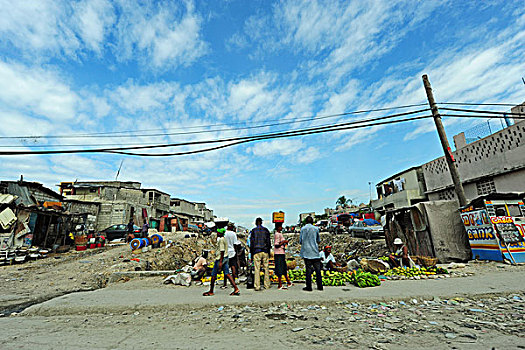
[
  {"x": 483, "y": 310},
  {"x": 59, "y": 274}
]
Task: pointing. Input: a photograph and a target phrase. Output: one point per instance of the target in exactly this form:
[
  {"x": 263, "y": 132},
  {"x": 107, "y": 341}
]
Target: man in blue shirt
[
  {"x": 309, "y": 240},
  {"x": 260, "y": 246}
]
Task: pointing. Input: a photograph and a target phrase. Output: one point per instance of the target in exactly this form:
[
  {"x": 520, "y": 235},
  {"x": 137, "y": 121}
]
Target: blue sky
[{"x": 77, "y": 67}]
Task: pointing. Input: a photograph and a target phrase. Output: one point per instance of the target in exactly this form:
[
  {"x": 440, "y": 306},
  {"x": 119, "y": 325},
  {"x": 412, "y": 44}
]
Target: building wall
[
  {"x": 498, "y": 156},
  {"x": 181, "y": 206},
  {"x": 303, "y": 216},
  {"x": 413, "y": 191}
]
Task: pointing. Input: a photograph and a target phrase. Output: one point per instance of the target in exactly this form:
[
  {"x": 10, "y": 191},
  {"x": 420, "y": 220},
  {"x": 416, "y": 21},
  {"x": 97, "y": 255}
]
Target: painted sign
[
  {"x": 482, "y": 236},
  {"x": 506, "y": 229}
]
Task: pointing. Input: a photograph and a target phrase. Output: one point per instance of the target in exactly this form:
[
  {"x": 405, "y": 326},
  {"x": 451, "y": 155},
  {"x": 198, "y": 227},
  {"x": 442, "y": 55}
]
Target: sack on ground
[{"x": 180, "y": 279}]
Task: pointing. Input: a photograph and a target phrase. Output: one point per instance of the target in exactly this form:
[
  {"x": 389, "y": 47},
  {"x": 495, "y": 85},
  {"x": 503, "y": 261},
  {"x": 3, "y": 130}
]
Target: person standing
[
  {"x": 232, "y": 240},
  {"x": 130, "y": 230},
  {"x": 221, "y": 264},
  {"x": 260, "y": 245},
  {"x": 145, "y": 229},
  {"x": 279, "y": 255},
  {"x": 309, "y": 240}
]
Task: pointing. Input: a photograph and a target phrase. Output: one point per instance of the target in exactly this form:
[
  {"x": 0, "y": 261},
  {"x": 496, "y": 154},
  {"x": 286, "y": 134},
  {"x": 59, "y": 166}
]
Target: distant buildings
[
  {"x": 303, "y": 216},
  {"x": 195, "y": 212},
  {"x": 118, "y": 201}
]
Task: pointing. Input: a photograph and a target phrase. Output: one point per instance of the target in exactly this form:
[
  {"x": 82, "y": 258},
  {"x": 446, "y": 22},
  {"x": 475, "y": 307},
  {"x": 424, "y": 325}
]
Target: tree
[{"x": 343, "y": 201}]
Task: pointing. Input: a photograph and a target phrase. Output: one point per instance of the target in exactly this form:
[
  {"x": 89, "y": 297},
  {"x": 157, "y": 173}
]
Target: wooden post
[{"x": 458, "y": 187}]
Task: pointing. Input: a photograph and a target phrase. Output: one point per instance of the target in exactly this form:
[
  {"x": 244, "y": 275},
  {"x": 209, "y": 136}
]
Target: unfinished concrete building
[{"x": 118, "y": 201}]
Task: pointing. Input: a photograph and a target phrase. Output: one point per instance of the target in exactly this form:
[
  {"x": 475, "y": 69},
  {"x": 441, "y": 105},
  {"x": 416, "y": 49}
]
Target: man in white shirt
[
  {"x": 327, "y": 259},
  {"x": 232, "y": 240}
]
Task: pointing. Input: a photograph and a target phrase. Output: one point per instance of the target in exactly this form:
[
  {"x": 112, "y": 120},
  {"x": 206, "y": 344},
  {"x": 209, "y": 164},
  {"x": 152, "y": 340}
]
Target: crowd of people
[
  {"x": 230, "y": 257},
  {"x": 228, "y": 251}
]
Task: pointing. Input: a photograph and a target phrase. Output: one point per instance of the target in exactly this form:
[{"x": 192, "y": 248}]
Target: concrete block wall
[{"x": 498, "y": 155}]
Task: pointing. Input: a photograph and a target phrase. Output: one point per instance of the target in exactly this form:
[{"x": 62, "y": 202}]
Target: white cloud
[
  {"x": 38, "y": 26},
  {"x": 158, "y": 37},
  {"x": 284, "y": 147},
  {"x": 168, "y": 35},
  {"x": 133, "y": 97},
  {"x": 37, "y": 91},
  {"x": 339, "y": 36},
  {"x": 94, "y": 20}
]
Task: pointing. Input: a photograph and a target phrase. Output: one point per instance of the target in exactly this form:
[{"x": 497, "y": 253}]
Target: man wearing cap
[
  {"x": 233, "y": 241},
  {"x": 221, "y": 264},
  {"x": 400, "y": 257},
  {"x": 260, "y": 245}
]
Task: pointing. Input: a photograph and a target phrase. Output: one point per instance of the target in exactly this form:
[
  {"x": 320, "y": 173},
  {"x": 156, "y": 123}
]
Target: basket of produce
[
  {"x": 374, "y": 266},
  {"x": 291, "y": 264},
  {"x": 425, "y": 261}
]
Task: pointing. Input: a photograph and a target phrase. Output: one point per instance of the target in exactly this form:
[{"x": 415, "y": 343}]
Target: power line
[
  {"x": 188, "y": 143},
  {"x": 148, "y": 143},
  {"x": 478, "y": 111},
  {"x": 254, "y": 139},
  {"x": 479, "y": 116},
  {"x": 280, "y": 122},
  {"x": 478, "y": 104}
]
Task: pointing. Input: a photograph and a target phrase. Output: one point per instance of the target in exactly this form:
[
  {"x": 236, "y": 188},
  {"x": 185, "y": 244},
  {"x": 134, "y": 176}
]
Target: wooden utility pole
[{"x": 458, "y": 187}]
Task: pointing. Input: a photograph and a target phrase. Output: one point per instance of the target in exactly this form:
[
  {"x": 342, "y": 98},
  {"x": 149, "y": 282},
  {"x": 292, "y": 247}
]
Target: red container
[
  {"x": 81, "y": 247},
  {"x": 92, "y": 245},
  {"x": 99, "y": 245}
]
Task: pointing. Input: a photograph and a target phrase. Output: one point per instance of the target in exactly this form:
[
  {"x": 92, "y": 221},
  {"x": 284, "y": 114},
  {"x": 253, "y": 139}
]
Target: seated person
[
  {"x": 400, "y": 257},
  {"x": 200, "y": 266},
  {"x": 327, "y": 259}
]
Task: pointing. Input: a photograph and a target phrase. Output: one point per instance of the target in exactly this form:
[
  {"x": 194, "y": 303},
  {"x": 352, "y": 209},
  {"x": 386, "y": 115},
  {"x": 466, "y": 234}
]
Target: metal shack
[
  {"x": 495, "y": 224},
  {"x": 433, "y": 229}
]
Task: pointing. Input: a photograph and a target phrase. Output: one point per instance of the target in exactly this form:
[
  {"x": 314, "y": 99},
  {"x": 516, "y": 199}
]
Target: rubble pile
[
  {"x": 175, "y": 255},
  {"x": 344, "y": 247}
]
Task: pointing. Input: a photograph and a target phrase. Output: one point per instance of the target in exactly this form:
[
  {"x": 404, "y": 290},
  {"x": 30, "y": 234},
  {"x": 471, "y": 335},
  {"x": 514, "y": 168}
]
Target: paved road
[{"x": 150, "y": 294}]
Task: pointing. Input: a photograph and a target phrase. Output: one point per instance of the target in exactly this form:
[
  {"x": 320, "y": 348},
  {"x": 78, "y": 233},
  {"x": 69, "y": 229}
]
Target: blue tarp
[{"x": 371, "y": 222}]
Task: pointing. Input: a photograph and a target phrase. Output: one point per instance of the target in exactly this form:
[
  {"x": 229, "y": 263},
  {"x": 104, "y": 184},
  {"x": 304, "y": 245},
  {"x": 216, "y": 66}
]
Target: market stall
[{"x": 495, "y": 226}]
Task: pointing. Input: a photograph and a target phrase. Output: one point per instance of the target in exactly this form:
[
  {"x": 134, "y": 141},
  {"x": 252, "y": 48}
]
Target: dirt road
[{"x": 484, "y": 310}]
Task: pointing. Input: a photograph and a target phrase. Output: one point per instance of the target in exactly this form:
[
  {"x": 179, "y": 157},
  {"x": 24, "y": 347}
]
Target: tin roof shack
[
  {"x": 433, "y": 229},
  {"x": 88, "y": 210},
  {"x": 40, "y": 217}
]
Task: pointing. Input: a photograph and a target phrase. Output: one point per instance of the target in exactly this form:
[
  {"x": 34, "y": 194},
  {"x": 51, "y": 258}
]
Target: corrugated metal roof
[{"x": 7, "y": 198}]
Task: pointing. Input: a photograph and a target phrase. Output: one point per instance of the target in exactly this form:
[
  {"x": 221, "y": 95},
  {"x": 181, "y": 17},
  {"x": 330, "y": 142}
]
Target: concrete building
[
  {"x": 118, "y": 201},
  {"x": 205, "y": 212},
  {"x": 195, "y": 212},
  {"x": 495, "y": 163},
  {"x": 400, "y": 190},
  {"x": 303, "y": 216}
]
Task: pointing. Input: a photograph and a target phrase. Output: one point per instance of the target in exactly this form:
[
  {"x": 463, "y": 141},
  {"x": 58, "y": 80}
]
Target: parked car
[
  {"x": 119, "y": 231},
  {"x": 368, "y": 230}
]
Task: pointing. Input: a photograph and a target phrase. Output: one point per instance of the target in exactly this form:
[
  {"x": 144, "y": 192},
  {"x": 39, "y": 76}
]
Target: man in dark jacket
[{"x": 260, "y": 245}]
